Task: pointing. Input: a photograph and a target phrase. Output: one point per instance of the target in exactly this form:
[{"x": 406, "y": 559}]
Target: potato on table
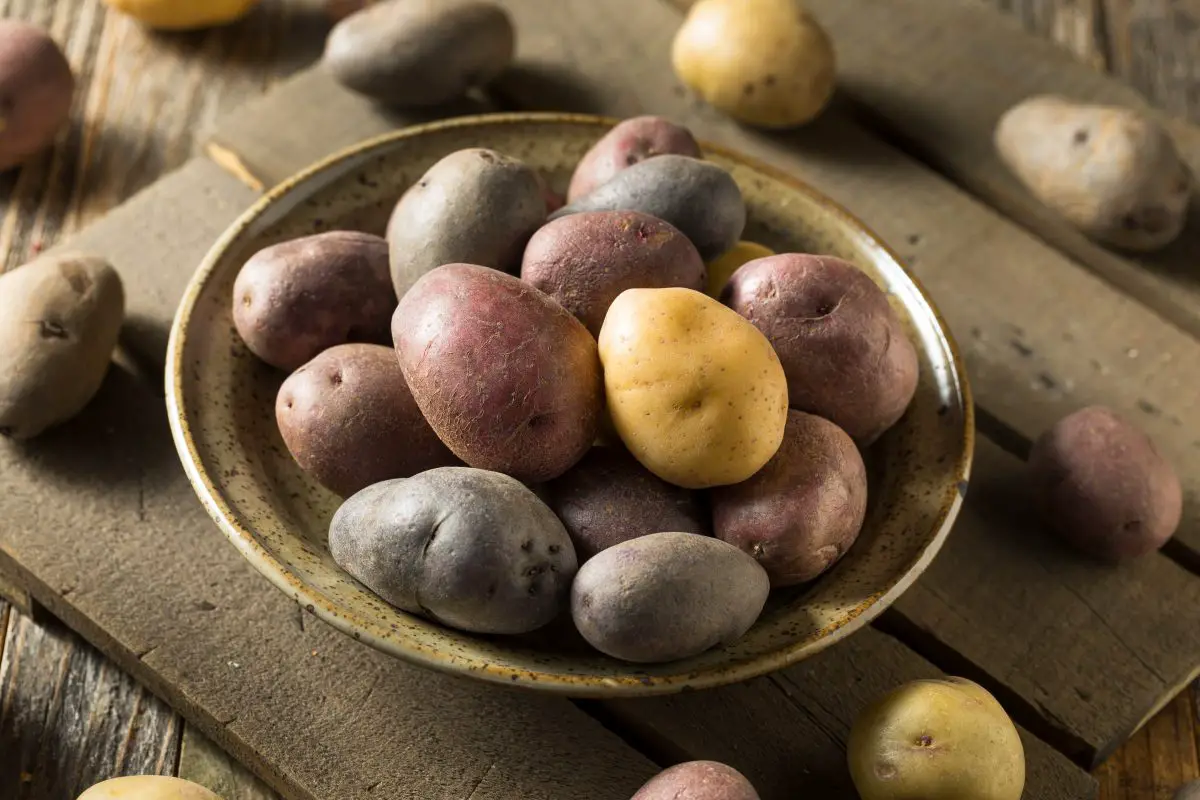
[
  {"x": 38, "y": 89},
  {"x": 147, "y": 787},
  {"x": 294, "y": 299},
  {"x": 698, "y": 780},
  {"x": 506, "y": 376},
  {"x": 349, "y": 420},
  {"x": 667, "y": 596},
  {"x": 468, "y": 548},
  {"x": 629, "y": 142},
  {"x": 844, "y": 350},
  {"x": 184, "y": 15}
]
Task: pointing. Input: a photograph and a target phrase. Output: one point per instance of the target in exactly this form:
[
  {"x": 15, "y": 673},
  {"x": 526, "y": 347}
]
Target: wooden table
[{"x": 69, "y": 717}]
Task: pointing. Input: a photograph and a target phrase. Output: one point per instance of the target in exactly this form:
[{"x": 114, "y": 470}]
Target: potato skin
[
  {"x": 507, "y": 377},
  {"x": 845, "y": 353},
  {"x": 468, "y": 548},
  {"x": 585, "y": 260},
  {"x": 294, "y": 299},
  {"x": 698, "y": 780},
  {"x": 667, "y": 596},
  {"x": 37, "y": 89},
  {"x": 609, "y": 498},
  {"x": 349, "y": 420},
  {"x": 416, "y": 53},
  {"x": 697, "y": 197},
  {"x": 60, "y": 317},
  {"x": 1100, "y": 484},
  {"x": 475, "y": 206},
  {"x": 629, "y": 142},
  {"x": 800, "y": 513},
  {"x": 147, "y": 787}
]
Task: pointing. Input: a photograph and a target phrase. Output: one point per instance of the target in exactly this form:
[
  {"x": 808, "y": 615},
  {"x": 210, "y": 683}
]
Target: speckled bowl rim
[{"x": 476, "y": 667}]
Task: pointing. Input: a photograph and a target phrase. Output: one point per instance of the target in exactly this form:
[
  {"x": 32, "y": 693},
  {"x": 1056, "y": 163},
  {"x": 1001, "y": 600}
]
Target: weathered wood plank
[
  {"x": 1157, "y": 760},
  {"x": 202, "y": 762},
  {"x": 1080, "y": 26},
  {"x": 1155, "y": 46},
  {"x": 15, "y": 595}
]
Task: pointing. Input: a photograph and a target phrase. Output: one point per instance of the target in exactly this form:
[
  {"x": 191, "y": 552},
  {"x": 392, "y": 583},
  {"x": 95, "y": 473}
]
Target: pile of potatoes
[{"x": 529, "y": 408}]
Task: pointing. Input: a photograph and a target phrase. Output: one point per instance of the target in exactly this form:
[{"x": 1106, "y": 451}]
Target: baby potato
[
  {"x": 585, "y": 260},
  {"x": 349, "y": 420},
  {"x": 629, "y": 142},
  {"x": 506, "y": 376},
  {"x": 416, "y": 53},
  {"x": 184, "y": 15},
  {"x": 475, "y": 206},
  {"x": 1109, "y": 171},
  {"x": 698, "y": 780},
  {"x": 38, "y": 88},
  {"x": 694, "y": 391},
  {"x": 766, "y": 63},
  {"x": 938, "y": 738},
  {"x": 667, "y": 596},
  {"x": 801, "y": 512},
  {"x": 1100, "y": 484},
  {"x": 609, "y": 498},
  {"x": 844, "y": 351},
  {"x": 295, "y": 299},
  {"x": 471, "y": 549},
  {"x": 723, "y": 267},
  {"x": 697, "y": 197},
  {"x": 147, "y": 787},
  {"x": 60, "y": 317}
]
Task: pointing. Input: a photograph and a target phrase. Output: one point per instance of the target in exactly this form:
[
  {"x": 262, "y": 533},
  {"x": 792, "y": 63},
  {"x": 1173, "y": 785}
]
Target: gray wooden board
[{"x": 202, "y": 762}]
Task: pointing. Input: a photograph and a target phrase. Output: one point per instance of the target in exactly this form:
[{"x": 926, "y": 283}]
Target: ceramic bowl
[{"x": 221, "y": 404}]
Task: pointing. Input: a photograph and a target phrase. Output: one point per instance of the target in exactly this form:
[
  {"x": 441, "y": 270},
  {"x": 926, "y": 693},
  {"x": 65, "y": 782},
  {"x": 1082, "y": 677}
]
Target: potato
[
  {"x": 609, "y": 498},
  {"x": 766, "y": 63},
  {"x": 629, "y": 142},
  {"x": 667, "y": 596},
  {"x": 416, "y": 53},
  {"x": 698, "y": 780},
  {"x": 184, "y": 15},
  {"x": 694, "y": 391},
  {"x": 37, "y": 87},
  {"x": 294, "y": 299},
  {"x": 700, "y": 199},
  {"x": 60, "y": 317},
  {"x": 723, "y": 267},
  {"x": 349, "y": 420},
  {"x": 1109, "y": 171},
  {"x": 475, "y": 206},
  {"x": 1100, "y": 484},
  {"x": 1189, "y": 791},
  {"x": 843, "y": 348},
  {"x": 801, "y": 512},
  {"x": 585, "y": 260},
  {"x": 465, "y": 547},
  {"x": 937, "y": 739},
  {"x": 506, "y": 376},
  {"x": 147, "y": 787}
]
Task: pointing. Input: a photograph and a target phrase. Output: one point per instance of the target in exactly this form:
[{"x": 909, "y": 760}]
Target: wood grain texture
[
  {"x": 1155, "y": 46},
  {"x": 1159, "y": 759},
  {"x": 202, "y": 762},
  {"x": 1079, "y": 26}
]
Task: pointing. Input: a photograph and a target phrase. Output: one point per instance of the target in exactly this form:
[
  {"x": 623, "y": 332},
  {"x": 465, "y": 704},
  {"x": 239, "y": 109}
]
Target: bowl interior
[{"x": 221, "y": 401}]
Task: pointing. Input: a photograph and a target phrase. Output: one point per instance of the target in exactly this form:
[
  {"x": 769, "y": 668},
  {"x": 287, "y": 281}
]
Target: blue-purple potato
[
  {"x": 842, "y": 346},
  {"x": 474, "y": 206},
  {"x": 585, "y": 260},
  {"x": 697, "y": 197},
  {"x": 471, "y": 549},
  {"x": 698, "y": 780},
  {"x": 667, "y": 596},
  {"x": 416, "y": 53},
  {"x": 36, "y": 91},
  {"x": 507, "y": 377},
  {"x": 1102, "y": 486},
  {"x": 609, "y": 498},
  {"x": 799, "y": 514},
  {"x": 629, "y": 142},
  {"x": 349, "y": 420},
  {"x": 294, "y": 299}
]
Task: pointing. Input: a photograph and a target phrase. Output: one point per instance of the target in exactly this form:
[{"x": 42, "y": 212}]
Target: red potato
[
  {"x": 629, "y": 142},
  {"x": 698, "y": 780},
  {"x": 36, "y": 91}
]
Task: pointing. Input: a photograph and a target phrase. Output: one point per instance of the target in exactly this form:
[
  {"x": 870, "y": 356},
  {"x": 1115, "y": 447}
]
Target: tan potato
[
  {"x": 147, "y": 787},
  {"x": 1109, "y": 171},
  {"x": 60, "y": 317},
  {"x": 37, "y": 88},
  {"x": 766, "y": 63},
  {"x": 698, "y": 780},
  {"x": 722, "y": 268},
  {"x": 694, "y": 391},
  {"x": 629, "y": 142},
  {"x": 942, "y": 739},
  {"x": 184, "y": 15}
]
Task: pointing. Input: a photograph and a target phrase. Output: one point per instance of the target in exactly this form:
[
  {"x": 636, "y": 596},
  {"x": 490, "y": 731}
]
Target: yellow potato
[
  {"x": 695, "y": 391},
  {"x": 147, "y": 787},
  {"x": 184, "y": 15},
  {"x": 944, "y": 739},
  {"x": 766, "y": 63},
  {"x": 720, "y": 268}
]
